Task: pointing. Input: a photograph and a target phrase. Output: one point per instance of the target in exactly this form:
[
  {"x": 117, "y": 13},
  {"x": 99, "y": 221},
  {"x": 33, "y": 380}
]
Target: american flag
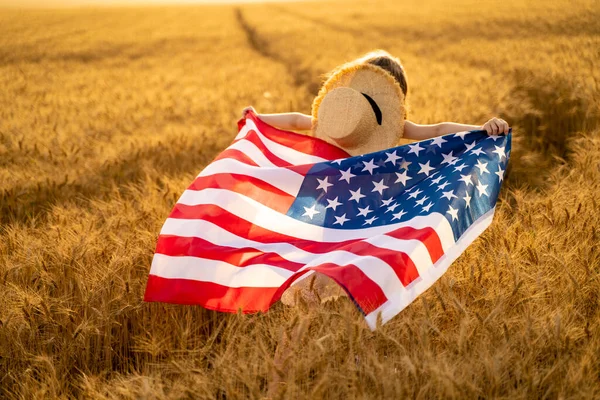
[{"x": 276, "y": 205}]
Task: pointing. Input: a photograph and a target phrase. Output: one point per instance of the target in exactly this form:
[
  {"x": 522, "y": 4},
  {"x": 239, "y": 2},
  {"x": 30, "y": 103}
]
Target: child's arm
[
  {"x": 421, "y": 132},
  {"x": 292, "y": 121}
]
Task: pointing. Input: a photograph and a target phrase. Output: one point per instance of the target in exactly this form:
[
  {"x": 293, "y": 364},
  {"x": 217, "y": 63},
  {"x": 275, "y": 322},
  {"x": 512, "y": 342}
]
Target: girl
[{"x": 301, "y": 122}]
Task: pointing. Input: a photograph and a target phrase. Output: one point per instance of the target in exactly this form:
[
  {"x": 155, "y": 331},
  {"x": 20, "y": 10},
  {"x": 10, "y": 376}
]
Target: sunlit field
[{"x": 107, "y": 115}]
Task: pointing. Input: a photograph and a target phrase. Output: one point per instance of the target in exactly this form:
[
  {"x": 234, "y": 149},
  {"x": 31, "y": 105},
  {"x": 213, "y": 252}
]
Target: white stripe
[
  {"x": 400, "y": 301},
  {"x": 254, "y": 212},
  {"x": 294, "y": 157},
  {"x": 223, "y": 273},
  {"x": 264, "y": 275},
  {"x": 206, "y": 270},
  {"x": 219, "y": 236},
  {"x": 282, "y": 178},
  {"x": 252, "y": 152},
  {"x": 413, "y": 248},
  {"x": 373, "y": 267},
  {"x": 243, "y": 132}
]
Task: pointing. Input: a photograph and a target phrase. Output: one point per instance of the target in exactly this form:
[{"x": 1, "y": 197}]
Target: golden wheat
[{"x": 106, "y": 115}]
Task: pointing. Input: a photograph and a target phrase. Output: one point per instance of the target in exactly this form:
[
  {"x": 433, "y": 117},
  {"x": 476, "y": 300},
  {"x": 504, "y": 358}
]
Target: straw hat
[{"x": 360, "y": 109}]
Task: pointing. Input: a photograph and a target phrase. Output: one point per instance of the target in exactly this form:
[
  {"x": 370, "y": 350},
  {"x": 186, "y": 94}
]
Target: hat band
[{"x": 375, "y": 108}]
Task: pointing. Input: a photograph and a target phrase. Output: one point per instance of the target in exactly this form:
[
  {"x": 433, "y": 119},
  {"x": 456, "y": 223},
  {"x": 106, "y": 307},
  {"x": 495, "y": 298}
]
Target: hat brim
[{"x": 378, "y": 84}]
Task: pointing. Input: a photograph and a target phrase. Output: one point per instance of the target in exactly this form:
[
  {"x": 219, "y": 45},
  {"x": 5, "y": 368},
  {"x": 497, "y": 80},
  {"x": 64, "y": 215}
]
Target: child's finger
[
  {"x": 494, "y": 127},
  {"x": 499, "y": 125},
  {"x": 246, "y": 110}
]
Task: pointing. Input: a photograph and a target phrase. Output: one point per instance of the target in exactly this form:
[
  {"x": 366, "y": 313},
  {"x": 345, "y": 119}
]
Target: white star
[
  {"x": 482, "y": 167},
  {"x": 494, "y": 137},
  {"x": 500, "y": 174},
  {"x": 438, "y": 140},
  {"x": 449, "y": 195},
  {"x": 448, "y": 158},
  {"x": 404, "y": 164},
  {"x": 478, "y": 152},
  {"x": 442, "y": 186},
  {"x": 324, "y": 184},
  {"x": 467, "y": 199},
  {"x": 392, "y": 157},
  {"x": 413, "y": 195},
  {"x": 436, "y": 180},
  {"x": 387, "y": 202},
  {"x": 341, "y": 220},
  {"x": 459, "y": 168},
  {"x": 364, "y": 211},
  {"x": 415, "y": 148},
  {"x": 420, "y": 202},
  {"x": 425, "y": 169},
  {"x": 427, "y": 207},
  {"x": 469, "y": 146},
  {"x": 370, "y": 221},
  {"x": 347, "y": 175},
  {"x": 481, "y": 187},
  {"x": 466, "y": 179},
  {"x": 338, "y": 161},
  {"x": 402, "y": 177},
  {"x": 369, "y": 166},
  {"x": 500, "y": 151},
  {"x": 333, "y": 204},
  {"x": 379, "y": 187},
  {"x": 310, "y": 212},
  {"x": 461, "y": 134},
  {"x": 356, "y": 195},
  {"x": 399, "y": 215},
  {"x": 453, "y": 212},
  {"x": 392, "y": 207}
]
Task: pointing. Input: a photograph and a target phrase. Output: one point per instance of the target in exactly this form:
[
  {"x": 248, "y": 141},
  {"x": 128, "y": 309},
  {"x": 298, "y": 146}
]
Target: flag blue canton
[{"x": 457, "y": 175}]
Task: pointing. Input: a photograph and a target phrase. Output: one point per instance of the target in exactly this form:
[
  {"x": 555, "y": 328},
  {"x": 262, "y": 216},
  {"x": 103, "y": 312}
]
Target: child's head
[
  {"x": 361, "y": 106},
  {"x": 391, "y": 64}
]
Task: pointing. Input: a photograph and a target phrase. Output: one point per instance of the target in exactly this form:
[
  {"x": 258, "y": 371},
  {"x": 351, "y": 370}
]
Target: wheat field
[{"x": 106, "y": 115}]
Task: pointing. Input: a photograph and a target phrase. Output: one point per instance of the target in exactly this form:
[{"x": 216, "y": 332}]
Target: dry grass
[{"x": 105, "y": 117}]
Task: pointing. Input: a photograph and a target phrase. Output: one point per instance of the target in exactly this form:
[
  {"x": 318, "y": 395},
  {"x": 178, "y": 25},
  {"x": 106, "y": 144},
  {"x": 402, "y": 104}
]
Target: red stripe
[
  {"x": 303, "y": 143},
  {"x": 210, "y": 295},
  {"x": 301, "y": 169},
  {"x": 171, "y": 245},
  {"x": 249, "y": 186},
  {"x": 253, "y": 138},
  {"x": 403, "y": 266},
  {"x": 401, "y": 263},
  {"x": 366, "y": 293},
  {"x": 236, "y": 155},
  {"x": 428, "y": 236},
  {"x": 239, "y": 226}
]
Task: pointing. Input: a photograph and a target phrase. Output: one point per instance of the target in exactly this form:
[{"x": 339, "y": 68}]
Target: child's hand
[
  {"x": 495, "y": 126},
  {"x": 248, "y": 109}
]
